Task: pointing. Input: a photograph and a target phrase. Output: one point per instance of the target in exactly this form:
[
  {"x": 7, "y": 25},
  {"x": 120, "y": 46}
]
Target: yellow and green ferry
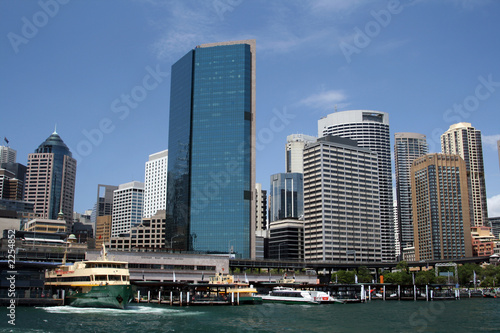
[{"x": 98, "y": 283}]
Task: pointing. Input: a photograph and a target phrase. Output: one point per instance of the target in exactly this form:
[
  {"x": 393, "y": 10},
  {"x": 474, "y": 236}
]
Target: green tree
[
  {"x": 364, "y": 275},
  {"x": 425, "y": 277},
  {"x": 401, "y": 278},
  {"x": 466, "y": 274},
  {"x": 343, "y": 277},
  {"x": 403, "y": 266}
]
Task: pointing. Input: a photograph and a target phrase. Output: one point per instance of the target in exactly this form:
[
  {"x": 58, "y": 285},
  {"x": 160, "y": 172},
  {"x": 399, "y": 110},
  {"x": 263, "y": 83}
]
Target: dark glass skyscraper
[
  {"x": 211, "y": 171},
  {"x": 286, "y": 196}
]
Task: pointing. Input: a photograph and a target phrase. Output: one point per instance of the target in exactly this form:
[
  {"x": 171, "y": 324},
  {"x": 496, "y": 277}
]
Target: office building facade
[
  {"x": 295, "y": 150},
  {"x": 286, "y": 241},
  {"x": 465, "y": 141},
  {"x": 155, "y": 183},
  {"x": 371, "y": 130},
  {"x": 260, "y": 207},
  {"x": 441, "y": 219},
  {"x": 341, "y": 202},
  {"x": 50, "y": 179},
  {"x": 104, "y": 203},
  {"x": 7, "y": 155},
  {"x": 211, "y": 169},
  {"x": 286, "y": 196},
  {"x": 128, "y": 202},
  {"x": 407, "y": 147},
  {"x": 148, "y": 235},
  {"x": 495, "y": 226}
]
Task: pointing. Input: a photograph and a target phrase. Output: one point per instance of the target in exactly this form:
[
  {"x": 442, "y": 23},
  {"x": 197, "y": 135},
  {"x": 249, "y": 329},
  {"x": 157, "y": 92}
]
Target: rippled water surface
[{"x": 466, "y": 315}]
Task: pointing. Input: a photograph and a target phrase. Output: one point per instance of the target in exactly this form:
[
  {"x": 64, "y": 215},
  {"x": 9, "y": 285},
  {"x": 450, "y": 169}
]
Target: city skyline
[{"x": 310, "y": 58}]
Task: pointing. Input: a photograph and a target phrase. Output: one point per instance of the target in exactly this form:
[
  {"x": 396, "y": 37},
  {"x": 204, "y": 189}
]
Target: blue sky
[{"x": 100, "y": 70}]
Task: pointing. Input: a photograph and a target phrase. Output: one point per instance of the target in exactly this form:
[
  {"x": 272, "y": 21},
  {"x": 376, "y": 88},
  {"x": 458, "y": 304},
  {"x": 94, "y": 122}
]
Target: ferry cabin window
[
  {"x": 100, "y": 278},
  {"x": 69, "y": 279}
]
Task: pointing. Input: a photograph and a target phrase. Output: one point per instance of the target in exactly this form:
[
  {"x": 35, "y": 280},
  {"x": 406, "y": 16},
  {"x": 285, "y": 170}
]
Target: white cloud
[
  {"x": 325, "y": 100},
  {"x": 182, "y": 25},
  {"x": 494, "y": 206},
  {"x": 490, "y": 141}
]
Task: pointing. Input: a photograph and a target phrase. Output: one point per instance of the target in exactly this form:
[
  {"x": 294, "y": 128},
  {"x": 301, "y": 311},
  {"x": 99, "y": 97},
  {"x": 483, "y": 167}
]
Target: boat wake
[{"x": 117, "y": 312}]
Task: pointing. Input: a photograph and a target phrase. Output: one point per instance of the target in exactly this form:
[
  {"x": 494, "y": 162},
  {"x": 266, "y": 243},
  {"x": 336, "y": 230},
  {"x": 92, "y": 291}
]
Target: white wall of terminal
[{"x": 155, "y": 266}]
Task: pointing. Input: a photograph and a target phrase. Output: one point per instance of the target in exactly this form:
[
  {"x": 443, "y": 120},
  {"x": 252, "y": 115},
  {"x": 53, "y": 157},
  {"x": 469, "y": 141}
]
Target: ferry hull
[{"x": 110, "y": 296}]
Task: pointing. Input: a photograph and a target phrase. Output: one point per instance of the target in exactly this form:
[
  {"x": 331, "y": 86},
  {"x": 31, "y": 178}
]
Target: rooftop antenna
[
  {"x": 335, "y": 108},
  {"x": 55, "y": 129}
]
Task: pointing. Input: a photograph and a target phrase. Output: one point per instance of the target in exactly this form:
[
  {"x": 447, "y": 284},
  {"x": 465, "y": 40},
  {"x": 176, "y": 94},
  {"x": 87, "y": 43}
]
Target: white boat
[{"x": 290, "y": 295}]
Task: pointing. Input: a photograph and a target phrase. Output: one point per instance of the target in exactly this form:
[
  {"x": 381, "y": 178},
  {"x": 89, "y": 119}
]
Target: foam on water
[{"x": 117, "y": 312}]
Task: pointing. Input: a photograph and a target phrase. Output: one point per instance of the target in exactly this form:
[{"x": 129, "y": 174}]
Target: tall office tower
[
  {"x": 286, "y": 196},
  {"x": 495, "y": 226},
  {"x": 399, "y": 249},
  {"x": 7, "y": 155},
  {"x": 14, "y": 178},
  {"x": 371, "y": 130},
  {"x": 441, "y": 219},
  {"x": 128, "y": 202},
  {"x": 295, "y": 150},
  {"x": 104, "y": 205},
  {"x": 261, "y": 228},
  {"x": 260, "y": 207},
  {"x": 464, "y": 140},
  {"x": 211, "y": 147},
  {"x": 155, "y": 183},
  {"x": 407, "y": 147},
  {"x": 286, "y": 213},
  {"x": 50, "y": 179},
  {"x": 341, "y": 201}
]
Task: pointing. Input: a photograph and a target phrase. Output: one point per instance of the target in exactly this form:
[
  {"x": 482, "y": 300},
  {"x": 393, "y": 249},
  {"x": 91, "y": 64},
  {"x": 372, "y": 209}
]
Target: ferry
[
  {"x": 98, "y": 283},
  {"x": 290, "y": 295},
  {"x": 245, "y": 293}
]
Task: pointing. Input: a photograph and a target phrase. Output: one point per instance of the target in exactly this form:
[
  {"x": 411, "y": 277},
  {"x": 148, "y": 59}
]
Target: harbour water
[{"x": 465, "y": 315}]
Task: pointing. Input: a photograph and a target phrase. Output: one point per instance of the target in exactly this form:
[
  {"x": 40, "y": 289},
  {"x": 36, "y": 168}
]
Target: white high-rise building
[
  {"x": 341, "y": 202},
  {"x": 128, "y": 201},
  {"x": 155, "y": 183},
  {"x": 371, "y": 130},
  {"x": 407, "y": 148},
  {"x": 295, "y": 151},
  {"x": 7, "y": 155},
  {"x": 464, "y": 140}
]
